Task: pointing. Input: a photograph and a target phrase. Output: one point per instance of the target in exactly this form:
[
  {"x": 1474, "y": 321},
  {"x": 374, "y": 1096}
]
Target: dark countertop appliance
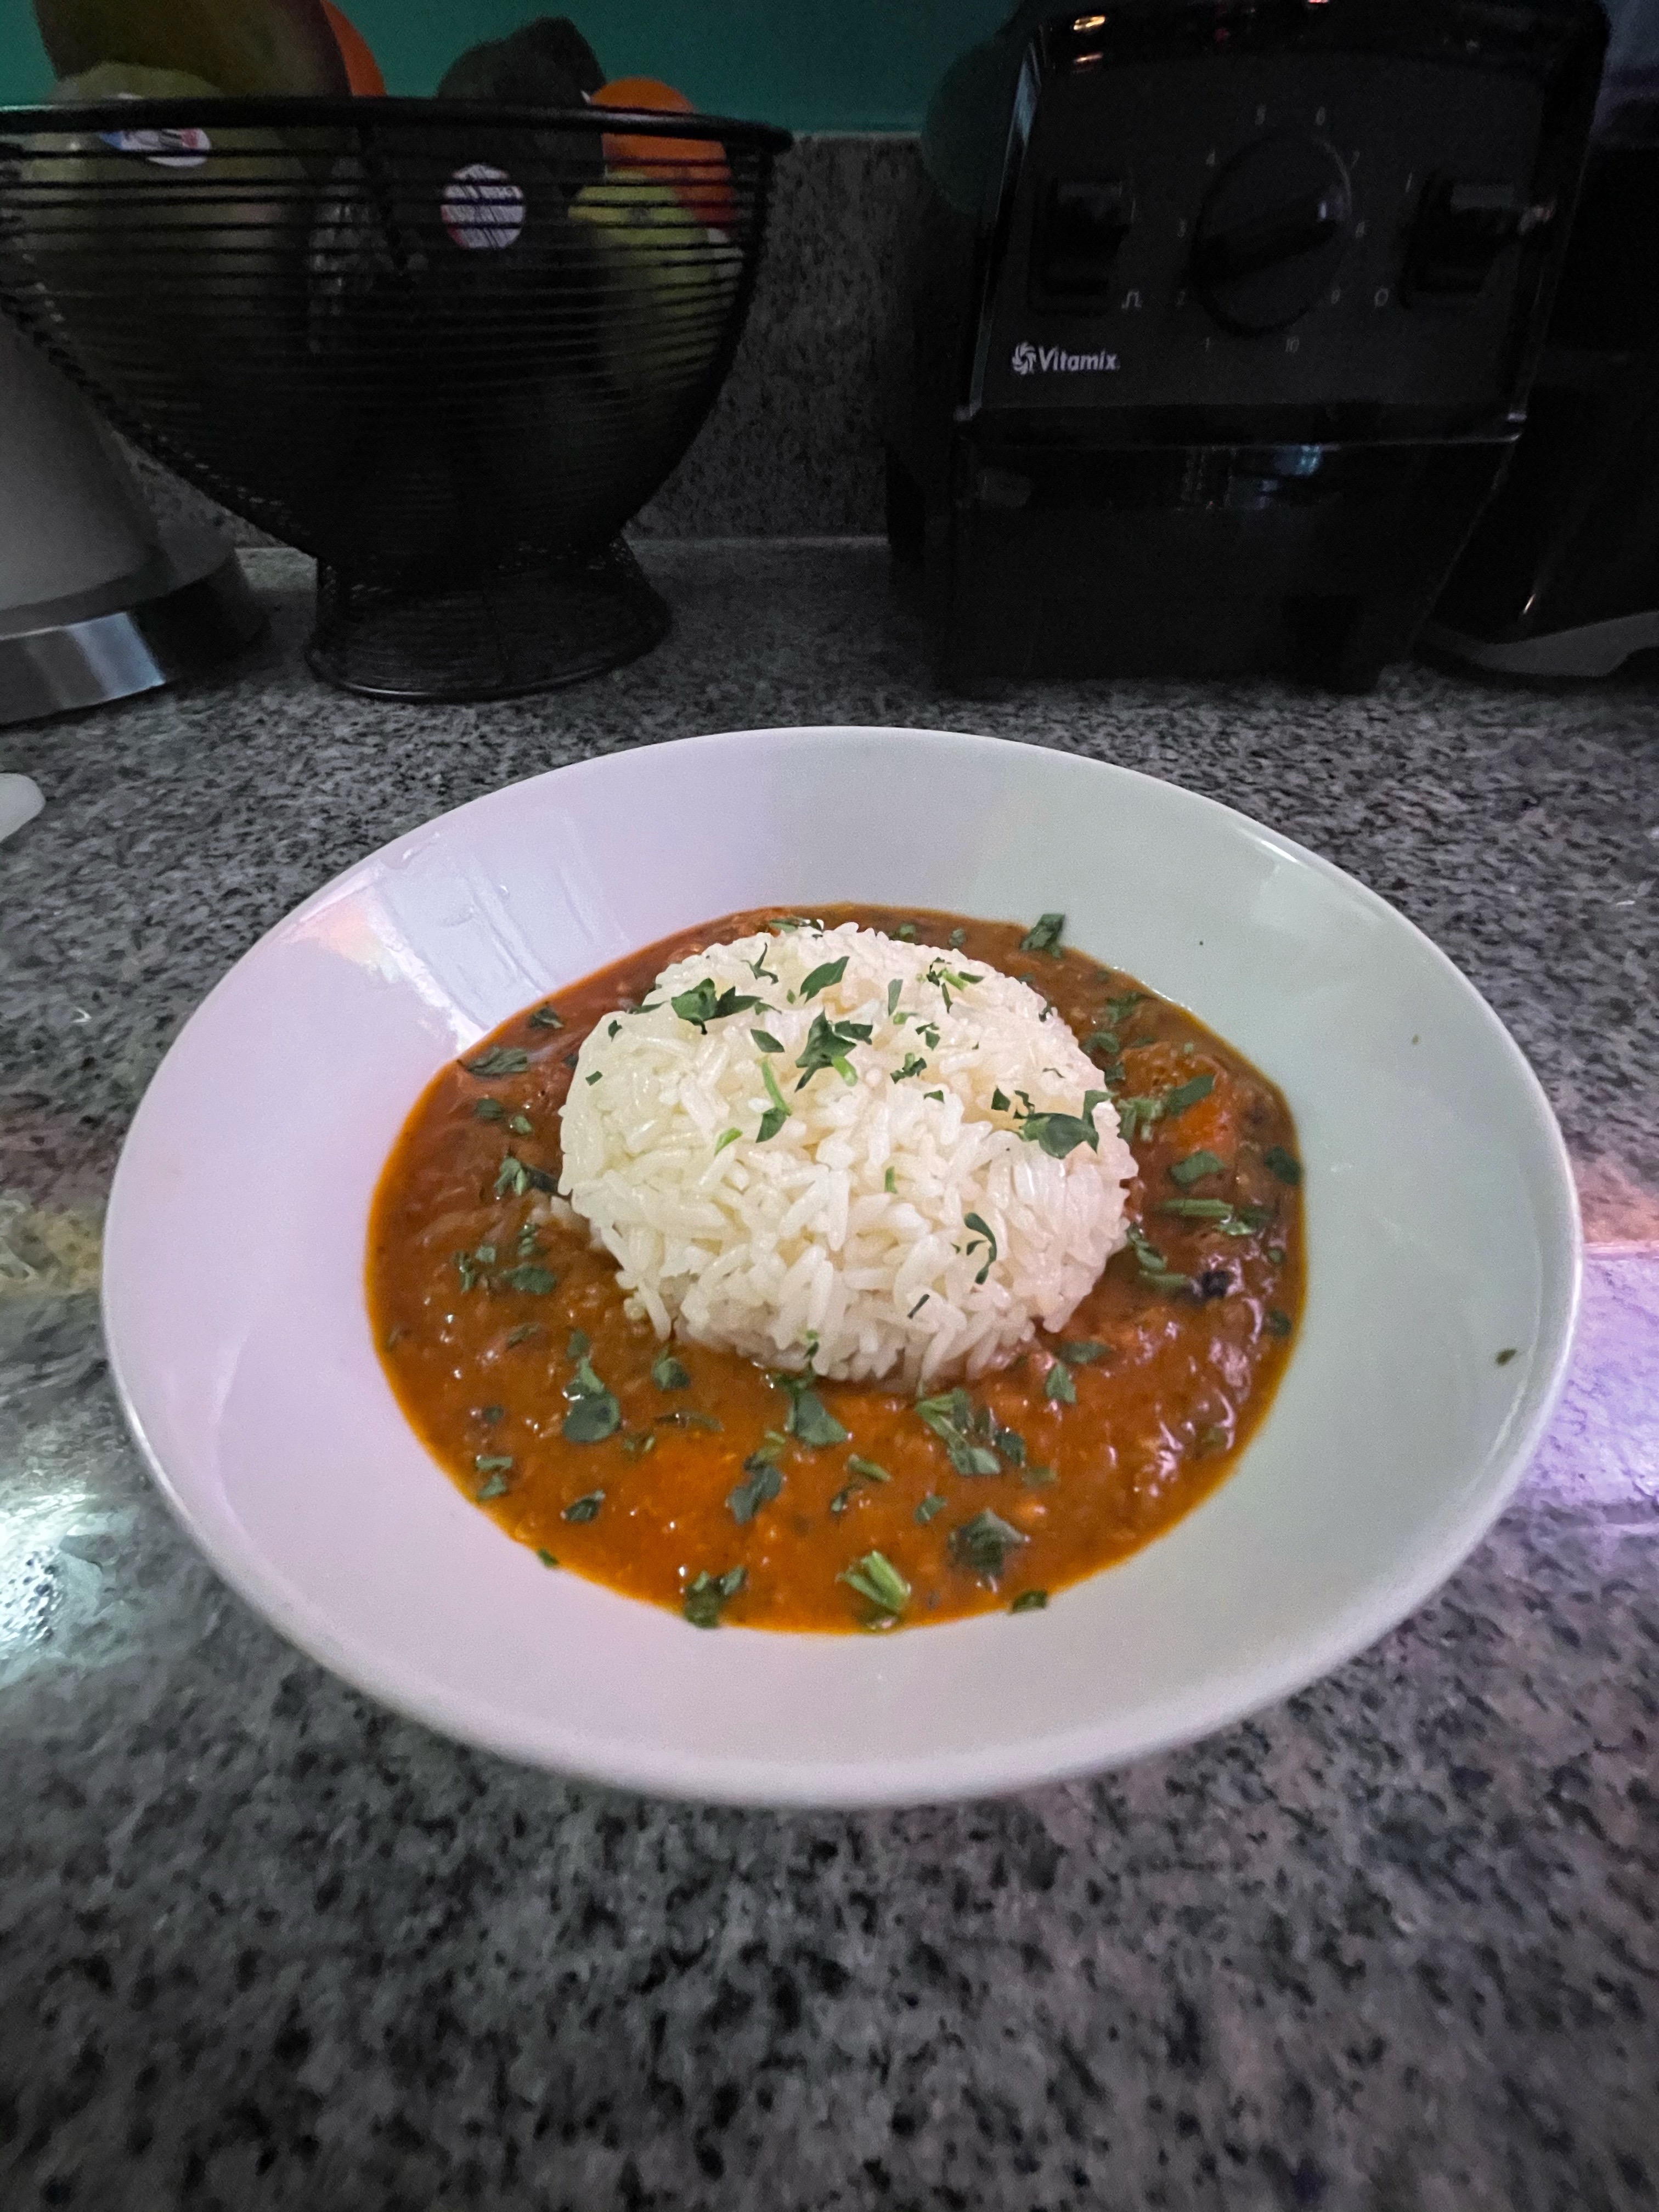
[{"x": 1217, "y": 324}]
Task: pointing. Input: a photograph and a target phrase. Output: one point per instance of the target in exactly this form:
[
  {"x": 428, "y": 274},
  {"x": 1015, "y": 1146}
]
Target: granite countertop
[{"x": 1394, "y": 1944}]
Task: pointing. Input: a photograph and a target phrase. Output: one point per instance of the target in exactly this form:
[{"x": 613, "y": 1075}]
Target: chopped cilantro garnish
[
  {"x": 1196, "y": 1167},
  {"x": 521, "y": 1125},
  {"x": 1081, "y": 1351},
  {"x": 934, "y": 1502},
  {"x": 726, "y": 1137},
  {"x": 596, "y": 1076},
  {"x": 1135, "y": 1116},
  {"x": 906, "y": 930},
  {"x": 584, "y": 1509},
  {"x": 1060, "y": 1387},
  {"x": 893, "y": 990},
  {"x": 1000, "y": 1102},
  {"x": 595, "y": 1413},
  {"x": 490, "y": 1109},
  {"x": 983, "y": 1543},
  {"x": 1060, "y": 1134},
  {"x": 822, "y": 978},
  {"x": 950, "y": 1417},
  {"x": 867, "y": 1468},
  {"x": 958, "y": 937},
  {"x": 512, "y": 1175},
  {"x": 777, "y": 1113},
  {"x": 975, "y": 1222},
  {"x": 492, "y": 1463},
  {"x": 545, "y": 1557},
  {"x": 1044, "y": 934},
  {"x": 547, "y": 1017},
  {"x": 1507, "y": 1354},
  {"x": 524, "y": 1332},
  {"x": 889, "y": 1181},
  {"x": 766, "y": 1041},
  {"x": 530, "y": 1276},
  {"x": 914, "y": 1065},
  {"x": 499, "y": 1059},
  {"x": 689, "y": 1418},
  {"x": 762, "y": 1481},
  {"x": 1284, "y": 1164},
  {"x": 875, "y": 1577},
  {"x": 1037, "y": 1478},
  {"x": 707, "y": 1593},
  {"x": 1031, "y": 1601},
  {"x": 702, "y": 1004},
  {"x": 1155, "y": 1272},
  {"x": 1187, "y": 1094},
  {"x": 668, "y": 1373},
  {"x": 579, "y": 1347},
  {"x": 637, "y": 1445},
  {"x": 828, "y": 1044},
  {"x": 1279, "y": 1324},
  {"x": 808, "y": 1419}
]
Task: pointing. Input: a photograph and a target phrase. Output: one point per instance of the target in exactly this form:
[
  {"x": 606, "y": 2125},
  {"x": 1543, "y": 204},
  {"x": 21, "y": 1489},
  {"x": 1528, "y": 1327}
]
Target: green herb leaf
[
  {"x": 688, "y": 1418},
  {"x": 914, "y": 1065},
  {"x": 637, "y": 1446},
  {"x": 579, "y": 1347},
  {"x": 808, "y": 1419},
  {"x": 1197, "y": 1209},
  {"x": 1031, "y": 1601},
  {"x": 499, "y": 1059},
  {"x": 521, "y": 1125},
  {"x": 984, "y": 1228},
  {"x": 1060, "y": 1134},
  {"x": 492, "y": 1463},
  {"x": 867, "y": 1469},
  {"x": 1187, "y": 1094},
  {"x": 708, "y": 1593},
  {"x": 545, "y": 1557},
  {"x": 875, "y": 1576},
  {"x": 726, "y": 1137},
  {"x": 1082, "y": 1351},
  {"x": 1000, "y": 1102},
  {"x": 668, "y": 1373},
  {"x": 524, "y": 1332},
  {"x": 598, "y": 1076},
  {"x": 512, "y": 1175},
  {"x": 983, "y": 1543},
  {"x": 906, "y": 930},
  {"x": 533, "y": 1277},
  {"x": 777, "y": 1113},
  {"x": 1279, "y": 1324},
  {"x": 702, "y": 1004},
  {"x": 950, "y": 1417},
  {"x": 958, "y": 937},
  {"x": 1044, "y": 934},
  {"x": 1507, "y": 1354},
  {"x": 1135, "y": 1116},
  {"x": 490, "y": 1109},
  {"x": 828, "y": 1044},
  {"x": 889, "y": 1181},
  {"x": 934, "y": 1504},
  {"x": 547, "y": 1017},
  {"x": 1037, "y": 1478},
  {"x": 1284, "y": 1164},
  {"x": 766, "y": 1041},
  {"x": 763, "y": 1483},
  {"x": 1195, "y": 1166},
  {"x": 822, "y": 978},
  {"x": 497, "y": 1486},
  {"x": 595, "y": 1413},
  {"x": 1060, "y": 1387},
  {"x": 893, "y": 991},
  {"x": 584, "y": 1509}
]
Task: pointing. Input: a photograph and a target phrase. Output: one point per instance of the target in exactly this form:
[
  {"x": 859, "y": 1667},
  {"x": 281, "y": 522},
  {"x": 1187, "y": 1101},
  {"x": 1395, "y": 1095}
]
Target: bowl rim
[{"x": 981, "y": 1771}]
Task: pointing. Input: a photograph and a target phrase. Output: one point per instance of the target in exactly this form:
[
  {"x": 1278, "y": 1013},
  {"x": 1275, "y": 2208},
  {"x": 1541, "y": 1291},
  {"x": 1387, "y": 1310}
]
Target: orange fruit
[
  {"x": 695, "y": 169},
  {"x": 362, "y": 70}
]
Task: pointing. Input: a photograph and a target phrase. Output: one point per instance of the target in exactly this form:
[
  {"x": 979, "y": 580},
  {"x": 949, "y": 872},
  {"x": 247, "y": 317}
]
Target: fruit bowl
[{"x": 448, "y": 348}]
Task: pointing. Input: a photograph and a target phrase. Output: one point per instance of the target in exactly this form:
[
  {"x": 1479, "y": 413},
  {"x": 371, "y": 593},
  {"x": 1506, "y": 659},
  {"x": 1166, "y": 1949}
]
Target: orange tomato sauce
[{"x": 475, "y": 1300}]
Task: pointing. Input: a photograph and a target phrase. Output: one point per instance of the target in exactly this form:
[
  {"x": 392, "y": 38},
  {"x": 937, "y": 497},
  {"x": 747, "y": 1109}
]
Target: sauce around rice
[{"x": 689, "y": 1476}]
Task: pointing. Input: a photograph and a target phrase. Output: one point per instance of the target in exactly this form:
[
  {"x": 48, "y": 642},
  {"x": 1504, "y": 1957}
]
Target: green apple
[{"x": 667, "y": 292}]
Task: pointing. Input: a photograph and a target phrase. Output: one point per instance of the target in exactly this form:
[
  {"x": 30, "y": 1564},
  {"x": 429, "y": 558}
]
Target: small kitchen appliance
[{"x": 1217, "y": 323}]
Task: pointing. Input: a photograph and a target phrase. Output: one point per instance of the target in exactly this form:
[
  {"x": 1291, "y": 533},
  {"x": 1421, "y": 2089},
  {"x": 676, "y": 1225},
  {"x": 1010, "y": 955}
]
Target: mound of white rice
[{"x": 847, "y": 1221}]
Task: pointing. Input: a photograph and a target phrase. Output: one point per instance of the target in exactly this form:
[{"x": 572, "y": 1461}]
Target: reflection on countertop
[{"x": 1389, "y": 1944}]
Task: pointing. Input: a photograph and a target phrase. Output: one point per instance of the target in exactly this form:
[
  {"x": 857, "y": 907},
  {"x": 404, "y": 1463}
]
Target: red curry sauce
[{"x": 479, "y": 1349}]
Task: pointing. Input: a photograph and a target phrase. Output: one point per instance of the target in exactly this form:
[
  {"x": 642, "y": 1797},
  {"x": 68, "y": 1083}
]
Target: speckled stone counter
[{"x": 1393, "y": 1944}]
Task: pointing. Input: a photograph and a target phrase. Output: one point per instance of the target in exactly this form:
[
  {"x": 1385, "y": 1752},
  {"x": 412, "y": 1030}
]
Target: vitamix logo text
[{"x": 1049, "y": 359}]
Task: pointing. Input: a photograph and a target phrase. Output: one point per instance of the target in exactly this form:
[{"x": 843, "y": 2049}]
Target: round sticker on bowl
[
  {"x": 482, "y": 207},
  {"x": 184, "y": 149}
]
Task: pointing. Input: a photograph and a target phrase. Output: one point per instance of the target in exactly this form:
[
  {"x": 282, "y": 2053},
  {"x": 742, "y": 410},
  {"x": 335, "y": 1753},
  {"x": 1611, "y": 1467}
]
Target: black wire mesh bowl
[{"x": 447, "y": 349}]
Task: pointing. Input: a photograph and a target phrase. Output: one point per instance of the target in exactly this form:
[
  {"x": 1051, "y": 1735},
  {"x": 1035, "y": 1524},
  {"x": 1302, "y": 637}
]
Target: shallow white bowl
[{"x": 1441, "y": 1221}]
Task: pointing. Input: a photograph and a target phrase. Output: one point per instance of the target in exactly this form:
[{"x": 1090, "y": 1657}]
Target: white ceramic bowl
[{"x": 1441, "y": 1222}]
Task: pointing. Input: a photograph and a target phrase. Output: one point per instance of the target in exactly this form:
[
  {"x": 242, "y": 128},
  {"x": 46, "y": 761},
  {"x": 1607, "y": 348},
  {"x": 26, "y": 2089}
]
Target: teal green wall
[{"x": 841, "y": 66}]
